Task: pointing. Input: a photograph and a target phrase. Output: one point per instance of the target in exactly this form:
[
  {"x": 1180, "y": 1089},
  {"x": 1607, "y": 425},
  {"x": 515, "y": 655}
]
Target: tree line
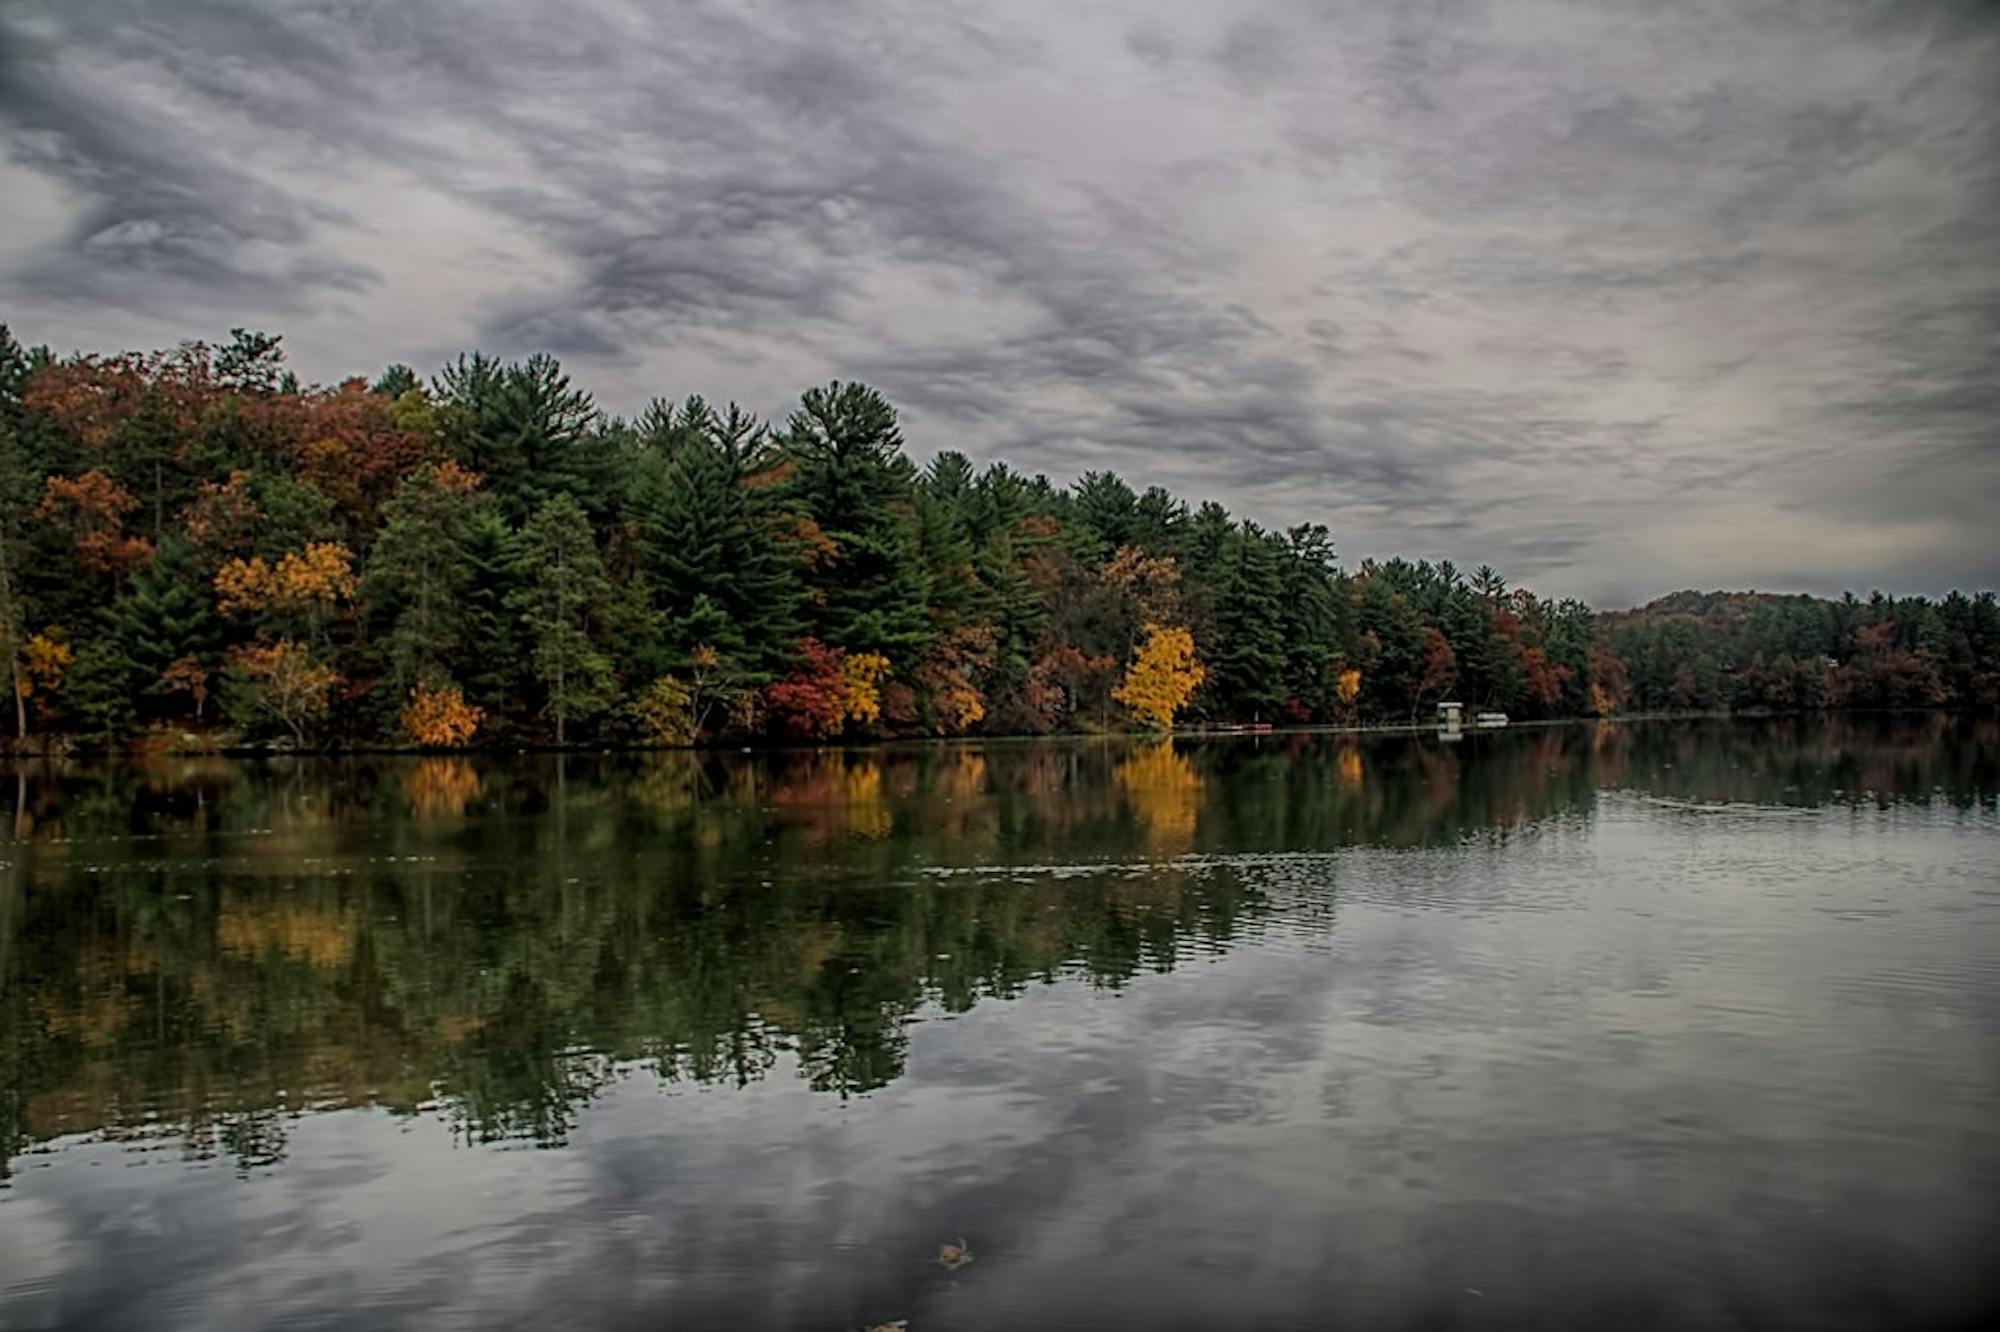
[{"x": 193, "y": 542}]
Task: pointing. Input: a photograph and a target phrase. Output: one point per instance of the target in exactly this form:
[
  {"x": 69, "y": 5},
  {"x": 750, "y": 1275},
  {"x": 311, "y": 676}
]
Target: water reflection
[{"x": 193, "y": 952}]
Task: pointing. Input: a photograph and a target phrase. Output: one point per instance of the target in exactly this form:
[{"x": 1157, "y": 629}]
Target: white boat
[{"x": 1490, "y": 719}]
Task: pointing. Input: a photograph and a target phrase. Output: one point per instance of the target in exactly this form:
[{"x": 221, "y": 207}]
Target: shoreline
[{"x": 10, "y": 754}]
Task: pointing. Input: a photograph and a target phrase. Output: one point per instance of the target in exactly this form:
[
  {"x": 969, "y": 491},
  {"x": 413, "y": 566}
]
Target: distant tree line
[{"x": 193, "y": 540}]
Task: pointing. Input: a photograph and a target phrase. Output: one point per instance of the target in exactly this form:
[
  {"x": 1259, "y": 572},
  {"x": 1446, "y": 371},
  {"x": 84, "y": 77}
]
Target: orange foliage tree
[
  {"x": 94, "y": 508},
  {"x": 946, "y": 675},
  {"x": 303, "y": 587},
  {"x": 95, "y": 396},
  {"x": 439, "y": 717},
  {"x": 1150, "y": 583},
  {"x": 186, "y": 675},
  {"x": 1437, "y": 668},
  {"x": 223, "y": 517},
  {"x": 1346, "y": 689}
]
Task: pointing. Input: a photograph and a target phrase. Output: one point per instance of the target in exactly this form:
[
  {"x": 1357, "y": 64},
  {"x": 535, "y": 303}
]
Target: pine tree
[
  {"x": 945, "y": 537},
  {"x": 19, "y": 483},
  {"x": 1310, "y": 618},
  {"x": 708, "y": 526},
  {"x": 1247, "y": 656},
  {"x": 562, "y": 594},
  {"x": 853, "y": 481},
  {"x": 494, "y": 662},
  {"x": 165, "y": 617},
  {"x": 522, "y": 428},
  {"x": 417, "y": 575},
  {"x": 1105, "y": 513}
]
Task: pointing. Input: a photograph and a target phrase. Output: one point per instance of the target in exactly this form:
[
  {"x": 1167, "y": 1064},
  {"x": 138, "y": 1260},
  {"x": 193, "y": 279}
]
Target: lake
[{"x": 1661, "y": 1025}]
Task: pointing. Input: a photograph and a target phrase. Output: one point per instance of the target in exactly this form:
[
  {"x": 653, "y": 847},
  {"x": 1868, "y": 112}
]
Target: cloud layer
[{"x": 1617, "y": 297}]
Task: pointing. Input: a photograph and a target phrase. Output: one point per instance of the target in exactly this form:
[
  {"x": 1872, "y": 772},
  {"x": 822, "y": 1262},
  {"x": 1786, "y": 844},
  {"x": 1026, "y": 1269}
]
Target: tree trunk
[{"x": 560, "y": 740}]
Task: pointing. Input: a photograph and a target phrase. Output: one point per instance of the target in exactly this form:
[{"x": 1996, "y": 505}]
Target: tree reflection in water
[{"x": 193, "y": 951}]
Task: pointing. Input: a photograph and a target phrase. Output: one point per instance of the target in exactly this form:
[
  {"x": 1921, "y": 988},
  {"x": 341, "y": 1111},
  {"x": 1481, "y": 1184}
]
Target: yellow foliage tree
[
  {"x": 1162, "y": 677},
  {"x": 440, "y": 717},
  {"x": 665, "y": 711},
  {"x": 47, "y": 659},
  {"x": 861, "y": 676}
]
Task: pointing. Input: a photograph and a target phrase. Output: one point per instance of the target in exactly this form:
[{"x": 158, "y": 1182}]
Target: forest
[{"x": 198, "y": 550}]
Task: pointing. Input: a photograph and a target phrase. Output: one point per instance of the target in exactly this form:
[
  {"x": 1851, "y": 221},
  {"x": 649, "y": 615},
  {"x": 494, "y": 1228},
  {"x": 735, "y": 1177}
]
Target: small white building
[{"x": 1451, "y": 716}]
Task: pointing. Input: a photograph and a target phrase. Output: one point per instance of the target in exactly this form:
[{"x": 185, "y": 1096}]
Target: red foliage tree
[
  {"x": 347, "y": 441},
  {"x": 811, "y": 702},
  {"x": 95, "y": 397}
]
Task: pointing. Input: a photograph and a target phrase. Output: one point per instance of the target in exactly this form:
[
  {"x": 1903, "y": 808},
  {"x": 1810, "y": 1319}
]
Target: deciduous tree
[{"x": 1162, "y": 677}]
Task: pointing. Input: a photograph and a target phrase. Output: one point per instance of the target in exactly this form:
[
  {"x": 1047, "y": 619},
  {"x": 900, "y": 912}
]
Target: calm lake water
[{"x": 1691, "y": 1025}]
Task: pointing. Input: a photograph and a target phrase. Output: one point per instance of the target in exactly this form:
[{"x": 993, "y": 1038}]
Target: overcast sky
[{"x": 1618, "y": 297}]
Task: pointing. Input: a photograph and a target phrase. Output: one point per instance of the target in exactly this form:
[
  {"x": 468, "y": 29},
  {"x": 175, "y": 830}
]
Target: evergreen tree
[
  {"x": 165, "y": 618},
  {"x": 20, "y": 482},
  {"x": 945, "y": 537},
  {"x": 417, "y": 574},
  {"x": 1247, "y": 656},
  {"x": 494, "y": 663},
  {"x": 852, "y": 480},
  {"x": 97, "y": 693},
  {"x": 1106, "y": 514},
  {"x": 1310, "y": 618},
  {"x": 523, "y": 429},
  {"x": 708, "y": 528},
  {"x": 395, "y": 380},
  {"x": 563, "y": 593}
]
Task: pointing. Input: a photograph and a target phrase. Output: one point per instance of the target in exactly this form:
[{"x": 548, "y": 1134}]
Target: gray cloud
[{"x": 1616, "y": 297}]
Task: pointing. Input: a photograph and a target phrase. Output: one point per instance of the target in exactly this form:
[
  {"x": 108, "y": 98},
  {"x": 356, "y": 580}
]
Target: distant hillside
[
  {"x": 1787, "y": 651},
  {"x": 1688, "y": 601}
]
